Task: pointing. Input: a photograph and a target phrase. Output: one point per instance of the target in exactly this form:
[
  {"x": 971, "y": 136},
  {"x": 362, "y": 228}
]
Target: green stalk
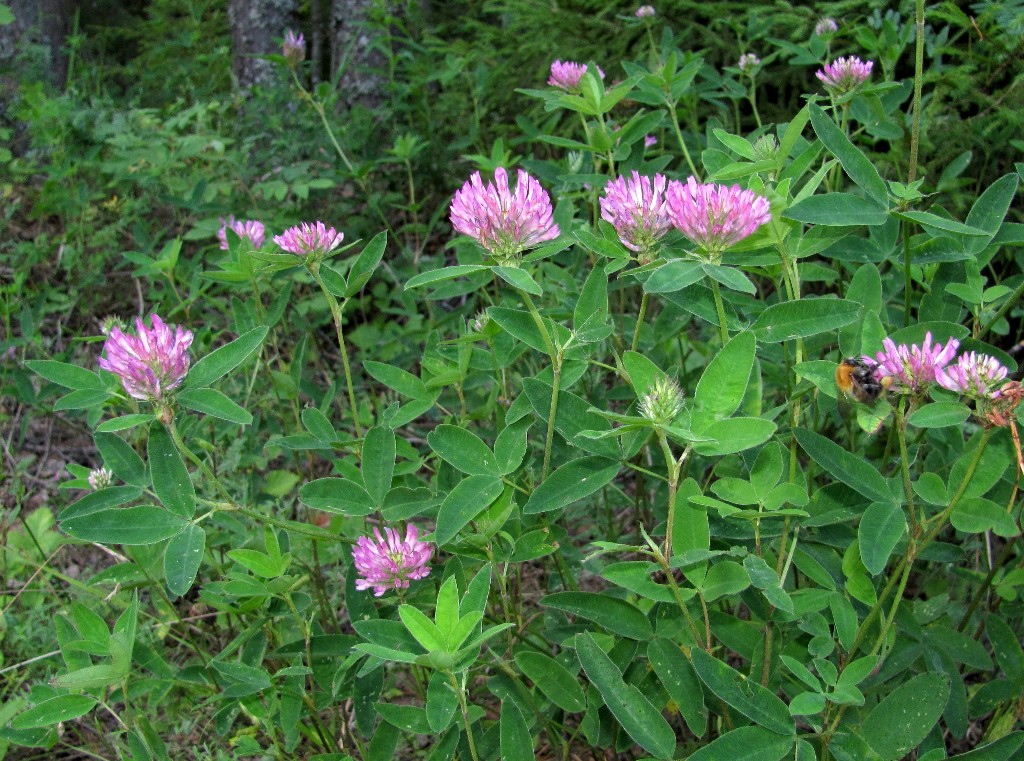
[
  {"x": 464, "y": 706},
  {"x": 720, "y": 308},
  {"x": 336, "y": 314},
  {"x": 556, "y": 369},
  {"x": 915, "y": 130},
  {"x": 1011, "y": 301},
  {"x": 908, "y": 488},
  {"x": 640, "y": 320},
  {"x": 682, "y": 143}
]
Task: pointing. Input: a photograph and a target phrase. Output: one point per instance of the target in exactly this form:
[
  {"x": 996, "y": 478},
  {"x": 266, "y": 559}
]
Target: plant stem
[
  {"x": 682, "y": 142},
  {"x": 461, "y": 692},
  {"x": 640, "y": 320},
  {"x": 1011, "y": 301},
  {"x": 915, "y": 130},
  {"x": 720, "y": 308},
  {"x": 908, "y": 488},
  {"x": 336, "y": 314}
]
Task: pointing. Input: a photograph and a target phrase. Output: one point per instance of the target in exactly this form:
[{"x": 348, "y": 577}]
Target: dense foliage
[{"x": 629, "y": 383}]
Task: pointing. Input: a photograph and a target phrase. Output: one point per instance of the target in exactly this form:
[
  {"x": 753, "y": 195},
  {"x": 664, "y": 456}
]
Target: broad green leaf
[
  {"x": 927, "y": 219},
  {"x": 464, "y": 451},
  {"x": 939, "y": 415},
  {"x": 520, "y": 325},
  {"x": 746, "y": 696},
  {"x": 990, "y": 209},
  {"x": 798, "y": 319},
  {"x": 182, "y": 558},
  {"x": 68, "y": 376},
  {"x": 746, "y": 743},
  {"x": 518, "y": 278},
  {"x": 54, "y": 710},
  {"x": 378, "y": 465},
  {"x": 365, "y": 264},
  {"x": 400, "y": 380},
  {"x": 1007, "y": 648},
  {"x": 881, "y": 528},
  {"x": 641, "y": 370},
  {"x": 721, "y": 387},
  {"x": 641, "y": 720},
  {"x": 734, "y": 434},
  {"x": 412, "y": 719},
  {"x": 571, "y": 482},
  {"x": 904, "y": 717},
  {"x": 973, "y": 515},
  {"x": 337, "y": 495},
  {"x": 209, "y": 401},
  {"x": 82, "y": 400},
  {"x": 222, "y": 361},
  {"x": 1000, "y": 750},
  {"x": 422, "y": 628},
  {"x": 680, "y": 682},
  {"x": 612, "y": 613},
  {"x": 674, "y": 275},
  {"x": 856, "y": 165},
  {"x": 317, "y": 424},
  {"x": 837, "y": 210},
  {"x": 122, "y": 459},
  {"x": 513, "y": 734},
  {"x": 90, "y": 677},
  {"x": 241, "y": 678},
  {"x": 731, "y": 278},
  {"x": 145, "y": 524},
  {"x": 171, "y": 480},
  {"x": 553, "y": 679},
  {"x": 593, "y": 300},
  {"x": 445, "y": 273},
  {"x": 724, "y": 578},
  {"x": 259, "y": 563},
  {"x": 734, "y": 143},
  {"x": 124, "y": 422},
  {"x": 442, "y": 702},
  {"x": 510, "y": 446},
  {"x": 849, "y": 468},
  {"x": 98, "y": 500},
  {"x": 469, "y": 498},
  {"x": 764, "y": 577}
]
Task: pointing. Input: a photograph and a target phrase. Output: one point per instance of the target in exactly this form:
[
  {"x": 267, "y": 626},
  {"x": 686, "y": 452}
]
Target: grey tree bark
[
  {"x": 40, "y": 22},
  {"x": 352, "y": 51},
  {"x": 257, "y": 27}
]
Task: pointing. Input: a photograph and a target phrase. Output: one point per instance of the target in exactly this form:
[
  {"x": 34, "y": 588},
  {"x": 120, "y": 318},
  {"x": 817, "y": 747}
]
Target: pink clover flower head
[
  {"x": 978, "y": 376},
  {"x": 293, "y": 48},
  {"x": 912, "y": 368},
  {"x": 247, "y": 228},
  {"x": 646, "y": 11},
  {"x": 567, "y": 75},
  {"x": 390, "y": 562},
  {"x": 506, "y": 223},
  {"x": 309, "y": 239},
  {"x": 636, "y": 207},
  {"x": 845, "y": 74},
  {"x": 715, "y": 216},
  {"x": 747, "y": 62},
  {"x": 825, "y": 26},
  {"x": 100, "y": 478},
  {"x": 150, "y": 363}
]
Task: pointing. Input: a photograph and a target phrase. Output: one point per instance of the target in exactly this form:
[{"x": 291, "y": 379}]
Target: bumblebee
[{"x": 856, "y": 378}]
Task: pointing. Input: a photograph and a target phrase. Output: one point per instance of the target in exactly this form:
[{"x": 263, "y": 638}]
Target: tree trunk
[
  {"x": 352, "y": 52},
  {"x": 257, "y": 27},
  {"x": 38, "y": 22}
]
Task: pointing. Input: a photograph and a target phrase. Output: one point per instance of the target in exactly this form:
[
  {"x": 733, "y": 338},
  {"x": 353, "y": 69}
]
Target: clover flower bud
[{"x": 663, "y": 401}]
